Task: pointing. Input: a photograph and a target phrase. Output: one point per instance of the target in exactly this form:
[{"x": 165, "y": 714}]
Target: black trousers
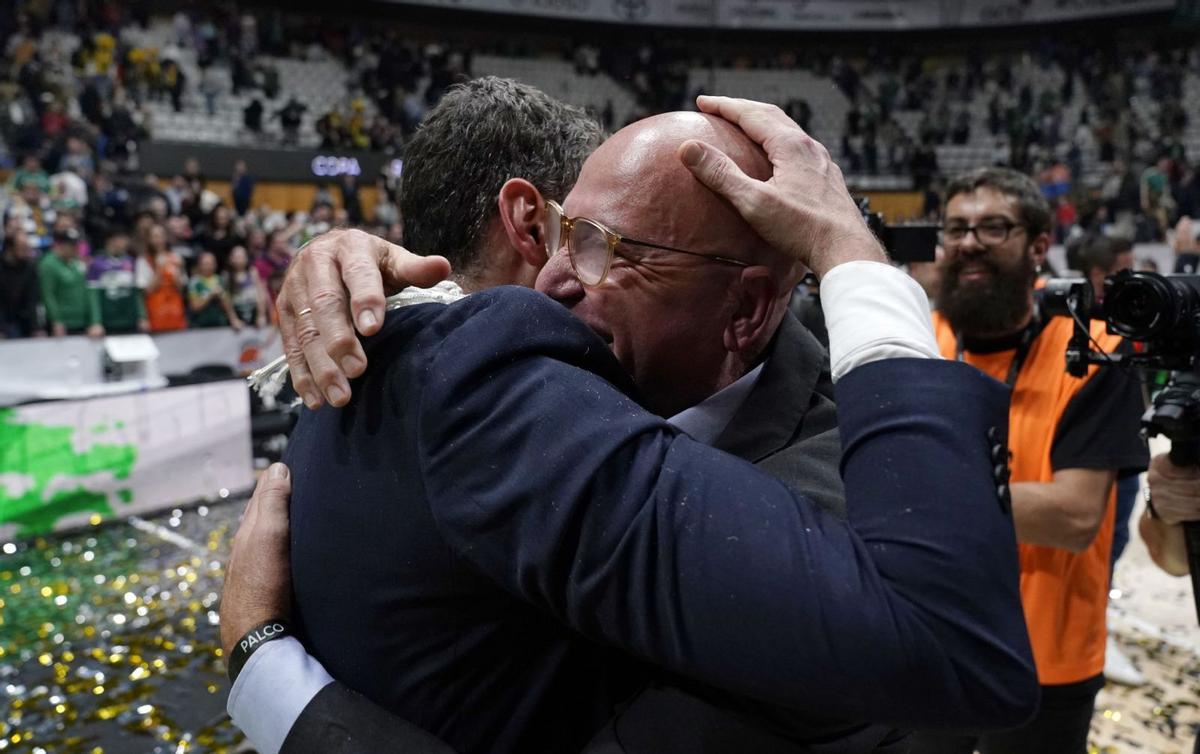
[{"x": 1060, "y": 727}]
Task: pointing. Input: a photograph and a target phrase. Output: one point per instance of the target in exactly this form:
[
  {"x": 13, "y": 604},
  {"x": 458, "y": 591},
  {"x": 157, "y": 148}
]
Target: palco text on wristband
[{"x": 250, "y": 642}]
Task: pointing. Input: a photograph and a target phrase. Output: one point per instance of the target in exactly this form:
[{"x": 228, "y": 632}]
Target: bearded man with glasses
[{"x": 1070, "y": 440}]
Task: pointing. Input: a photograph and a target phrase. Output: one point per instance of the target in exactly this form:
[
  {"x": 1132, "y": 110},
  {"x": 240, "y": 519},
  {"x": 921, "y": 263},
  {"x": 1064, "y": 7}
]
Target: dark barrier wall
[{"x": 166, "y": 158}]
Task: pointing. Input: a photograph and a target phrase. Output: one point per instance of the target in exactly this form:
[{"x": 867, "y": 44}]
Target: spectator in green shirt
[
  {"x": 63, "y": 278},
  {"x": 31, "y": 173},
  {"x": 208, "y": 302},
  {"x": 117, "y": 305}
]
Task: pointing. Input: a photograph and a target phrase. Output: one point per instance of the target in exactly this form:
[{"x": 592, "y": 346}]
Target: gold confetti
[{"x": 89, "y": 657}]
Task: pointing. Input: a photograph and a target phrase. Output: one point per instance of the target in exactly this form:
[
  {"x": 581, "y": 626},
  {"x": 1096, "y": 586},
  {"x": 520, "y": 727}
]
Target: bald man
[{"x": 689, "y": 299}]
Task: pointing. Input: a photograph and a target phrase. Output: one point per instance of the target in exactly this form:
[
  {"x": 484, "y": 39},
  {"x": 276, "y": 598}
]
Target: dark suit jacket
[
  {"x": 489, "y": 515},
  {"x": 788, "y": 426}
]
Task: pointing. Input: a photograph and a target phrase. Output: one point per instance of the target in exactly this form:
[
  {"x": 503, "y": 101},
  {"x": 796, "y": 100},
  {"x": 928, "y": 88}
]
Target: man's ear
[
  {"x": 1040, "y": 247},
  {"x": 522, "y": 211},
  {"x": 756, "y": 313}
]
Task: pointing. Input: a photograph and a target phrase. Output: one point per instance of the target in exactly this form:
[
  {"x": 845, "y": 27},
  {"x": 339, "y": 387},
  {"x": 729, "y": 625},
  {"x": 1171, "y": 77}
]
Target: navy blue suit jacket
[{"x": 497, "y": 543}]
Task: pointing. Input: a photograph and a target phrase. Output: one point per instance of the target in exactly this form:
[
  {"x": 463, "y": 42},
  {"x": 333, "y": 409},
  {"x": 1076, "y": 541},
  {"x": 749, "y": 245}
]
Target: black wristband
[{"x": 250, "y": 642}]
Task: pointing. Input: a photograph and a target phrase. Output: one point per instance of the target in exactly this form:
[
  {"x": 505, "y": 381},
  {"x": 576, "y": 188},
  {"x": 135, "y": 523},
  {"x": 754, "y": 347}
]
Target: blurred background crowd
[
  {"x": 162, "y": 163},
  {"x": 96, "y": 241}
]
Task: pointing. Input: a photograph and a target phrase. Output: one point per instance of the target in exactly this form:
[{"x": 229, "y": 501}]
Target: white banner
[
  {"x": 64, "y": 463},
  {"x": 73, "y": 367},
  {"x": 864, "y": 15}
]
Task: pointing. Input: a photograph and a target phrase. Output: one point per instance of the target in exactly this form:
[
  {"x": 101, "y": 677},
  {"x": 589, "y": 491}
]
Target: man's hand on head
[
  {"x": 1174, "y": 490},
  {"x": 804, "y": 210},
  {"x": 337, "y": 284},
  {"x": 258, "y": 577}
]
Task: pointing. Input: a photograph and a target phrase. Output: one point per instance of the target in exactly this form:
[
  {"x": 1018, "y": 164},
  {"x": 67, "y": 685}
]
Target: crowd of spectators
[
  {"x": 1015, "y": 102},
  {"x": 72, "y": 120},
  {"x": 49, "y": 101},
  {"x": 350, "y": 127},
  {"x": 136, "y": 254},
  {"x": 1101, "y": 127}
]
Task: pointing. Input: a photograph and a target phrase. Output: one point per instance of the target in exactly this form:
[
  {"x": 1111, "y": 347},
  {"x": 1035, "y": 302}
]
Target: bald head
[
  {"x": 643, "y": 189},
  {"x": 683, "y": 326}
]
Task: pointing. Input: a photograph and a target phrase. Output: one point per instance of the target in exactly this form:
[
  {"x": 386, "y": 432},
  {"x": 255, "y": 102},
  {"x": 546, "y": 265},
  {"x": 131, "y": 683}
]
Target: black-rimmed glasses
[{"x": 988, "y": 232}]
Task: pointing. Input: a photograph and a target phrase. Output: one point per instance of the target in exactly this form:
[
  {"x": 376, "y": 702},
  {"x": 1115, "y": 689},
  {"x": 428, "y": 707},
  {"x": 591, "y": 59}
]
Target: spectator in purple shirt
[{"x": 116, "y": 302}]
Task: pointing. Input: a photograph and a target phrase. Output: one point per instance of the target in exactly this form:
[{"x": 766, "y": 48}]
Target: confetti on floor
[
  {"x": 109, "y": 644},
  {"x": 109, "y": 638},
  {"x": 1154, "y": 620}
]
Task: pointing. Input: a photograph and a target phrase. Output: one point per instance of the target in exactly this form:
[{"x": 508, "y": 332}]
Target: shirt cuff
[
  {"x": 274, "y": 687},
  {"x": 874, "y": 311}
]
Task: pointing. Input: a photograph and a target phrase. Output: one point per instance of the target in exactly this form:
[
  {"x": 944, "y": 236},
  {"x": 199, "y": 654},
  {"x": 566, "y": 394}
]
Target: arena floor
[
  {"x": 109, "y": 642},
  {"x": 109, "y": 638}
]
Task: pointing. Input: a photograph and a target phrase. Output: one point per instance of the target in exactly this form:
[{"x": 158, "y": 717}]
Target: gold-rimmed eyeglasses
[{"x": 591, "y": 245}]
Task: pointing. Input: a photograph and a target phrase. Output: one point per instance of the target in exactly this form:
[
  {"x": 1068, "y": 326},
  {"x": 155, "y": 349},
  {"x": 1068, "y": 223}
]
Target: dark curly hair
[{"x": 480, "y": 135}]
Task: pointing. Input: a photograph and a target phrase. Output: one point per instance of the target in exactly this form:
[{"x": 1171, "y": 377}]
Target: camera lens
[{"x": 1139, "y": 306}]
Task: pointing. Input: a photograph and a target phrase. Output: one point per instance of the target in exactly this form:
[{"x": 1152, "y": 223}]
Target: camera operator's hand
[
  {"x": 1175, "y": 490},
  {"x": 339, "y": 275},
  {"x": 258, "y": 577},
  {"x": 804, "y": 210}
]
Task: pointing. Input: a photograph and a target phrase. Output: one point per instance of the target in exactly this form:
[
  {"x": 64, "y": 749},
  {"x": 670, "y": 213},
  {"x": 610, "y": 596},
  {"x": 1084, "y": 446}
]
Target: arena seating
[
  {"x": 322, "y": 82},
  {"x": 317, "y": 83},
  {"x": 559, "y": 78}
]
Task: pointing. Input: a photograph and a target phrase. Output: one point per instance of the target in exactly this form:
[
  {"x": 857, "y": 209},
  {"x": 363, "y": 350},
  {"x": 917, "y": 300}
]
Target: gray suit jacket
[
  {"x": 788, "y": 427},
  {"x": 788, "y": 424}
]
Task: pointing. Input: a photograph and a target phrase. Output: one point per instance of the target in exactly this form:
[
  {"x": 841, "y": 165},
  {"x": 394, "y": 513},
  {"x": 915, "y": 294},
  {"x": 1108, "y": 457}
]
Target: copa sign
[{"x": 329, "y": 166}]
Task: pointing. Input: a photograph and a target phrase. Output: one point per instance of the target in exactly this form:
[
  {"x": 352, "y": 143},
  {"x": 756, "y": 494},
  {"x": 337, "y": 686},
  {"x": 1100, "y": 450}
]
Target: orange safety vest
[{"x": 1065, "y": 594}]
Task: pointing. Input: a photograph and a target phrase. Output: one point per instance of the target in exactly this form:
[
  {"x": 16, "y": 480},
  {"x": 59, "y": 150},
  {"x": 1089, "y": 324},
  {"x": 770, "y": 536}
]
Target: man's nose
[
  {"x": 970, "y": 245},
  {"x": 557, "y": 279}
]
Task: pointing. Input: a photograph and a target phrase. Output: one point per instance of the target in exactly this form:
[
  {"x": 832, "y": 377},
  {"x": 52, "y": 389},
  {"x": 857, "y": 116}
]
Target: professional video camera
[
  {"x": 907, "y": 242},
  {"x": 1160, "y": 315},
  {"x": 910, "y": 242}
]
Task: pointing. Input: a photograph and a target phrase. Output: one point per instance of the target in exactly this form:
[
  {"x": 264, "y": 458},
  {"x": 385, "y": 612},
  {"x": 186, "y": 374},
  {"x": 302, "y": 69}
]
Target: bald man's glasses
[{"x": 591, "y": 245}]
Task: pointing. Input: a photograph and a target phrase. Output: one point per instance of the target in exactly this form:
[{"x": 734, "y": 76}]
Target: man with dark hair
[
  {"x": 290, "y": 117},
  {"x": 1101, "y": 256},
  {"x": 526, "y": 133},
  {"x": 492, "y": 146},
  {"x": 1070, "y": 438},
  {"x": 62, "y": 276},
  {"x": 19, "y": 297}
]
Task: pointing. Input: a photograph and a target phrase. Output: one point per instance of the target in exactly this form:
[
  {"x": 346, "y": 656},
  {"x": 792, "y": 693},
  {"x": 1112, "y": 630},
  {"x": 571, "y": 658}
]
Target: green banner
[{"x": 68, "y": 463}]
